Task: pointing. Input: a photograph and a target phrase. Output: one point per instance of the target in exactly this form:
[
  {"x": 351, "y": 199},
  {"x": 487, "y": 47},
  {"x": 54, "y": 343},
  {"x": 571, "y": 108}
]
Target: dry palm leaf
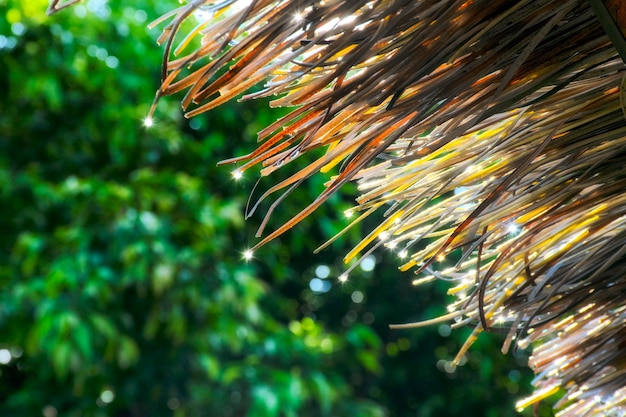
[
  {"x": 490, "y": 128},
  {"x": 56, "y": 5}
]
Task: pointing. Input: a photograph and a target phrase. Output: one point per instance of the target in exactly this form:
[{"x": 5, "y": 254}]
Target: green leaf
[
  {"x": 127, "y": 352},
  {"x": 210, "y": 365},
  {"x": 82, "y": 338},
  {"x": 369, "y": 360},
  {"x": 103, "y": 325},
  {"x": 61, "y": 356},
  {"x": 322, "y": 390},
  {"x": 361, "y": 336},
  {"x": 264, "y": 402}
]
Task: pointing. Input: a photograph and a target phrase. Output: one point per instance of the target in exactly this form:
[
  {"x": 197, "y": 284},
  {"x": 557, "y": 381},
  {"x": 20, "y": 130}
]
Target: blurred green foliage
[{"x": 123, "y": 291}]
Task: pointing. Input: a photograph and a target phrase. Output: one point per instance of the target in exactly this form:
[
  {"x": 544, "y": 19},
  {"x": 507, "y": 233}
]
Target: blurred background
[{"x": 123, "y": 287}]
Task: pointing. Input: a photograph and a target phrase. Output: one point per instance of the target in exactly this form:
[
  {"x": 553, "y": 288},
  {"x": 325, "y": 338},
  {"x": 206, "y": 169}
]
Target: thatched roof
[{"x": 492, "y": 131}]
